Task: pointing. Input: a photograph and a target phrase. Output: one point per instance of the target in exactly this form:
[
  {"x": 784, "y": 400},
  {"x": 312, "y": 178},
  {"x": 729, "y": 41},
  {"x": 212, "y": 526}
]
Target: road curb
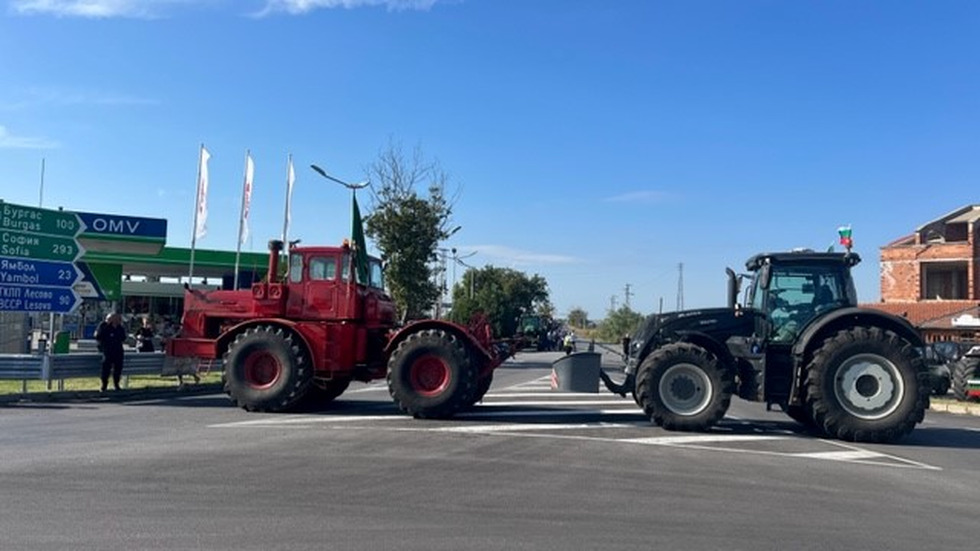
[
  {"x": 959, "y": 408},
  {"x": 112, "y": 395}
]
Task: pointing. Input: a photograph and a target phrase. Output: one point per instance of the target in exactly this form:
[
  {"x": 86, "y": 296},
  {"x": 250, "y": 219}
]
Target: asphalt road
[{"x": 527, "y": 469}]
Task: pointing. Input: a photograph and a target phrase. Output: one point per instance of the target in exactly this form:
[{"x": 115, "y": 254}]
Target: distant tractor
[
  {"x": 536, "y": 331},
  {"x": 798, "y": 341},
  {"x": 965, "y": 367},
  {"x": 304, "y": 337}
]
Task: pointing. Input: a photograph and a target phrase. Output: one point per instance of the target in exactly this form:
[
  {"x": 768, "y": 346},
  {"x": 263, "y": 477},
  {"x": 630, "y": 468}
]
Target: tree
[
  {"x": 407, "y": 227},
  {"x": 618, "y": 323},
  {"x": 546, "y": 309},
  {"x": 501, "y": 294},
  {"x": 578, "y": 317}
]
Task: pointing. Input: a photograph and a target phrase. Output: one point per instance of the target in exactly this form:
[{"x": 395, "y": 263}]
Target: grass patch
[{"x": 135, "y": 382}]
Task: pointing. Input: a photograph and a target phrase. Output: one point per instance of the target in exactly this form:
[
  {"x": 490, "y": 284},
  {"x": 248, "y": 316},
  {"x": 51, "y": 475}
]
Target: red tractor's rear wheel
[
  {"x": 265, "y": 370},
  {"x": 430, "y": 374}
]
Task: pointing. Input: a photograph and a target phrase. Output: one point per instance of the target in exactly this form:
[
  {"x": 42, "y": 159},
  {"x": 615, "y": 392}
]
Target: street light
[{"x": 352, "y": 187}]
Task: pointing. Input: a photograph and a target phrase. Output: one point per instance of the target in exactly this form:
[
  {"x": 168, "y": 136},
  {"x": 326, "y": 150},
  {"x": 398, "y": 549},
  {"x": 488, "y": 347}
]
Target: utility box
[
  {"x": 578, "y": 372},
  {"x": 62, "y": 343}
]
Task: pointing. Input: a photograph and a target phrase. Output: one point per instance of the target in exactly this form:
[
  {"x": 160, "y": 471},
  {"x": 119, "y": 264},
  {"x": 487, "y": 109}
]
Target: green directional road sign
[
  {"x": 44, "y": 247},
  {"x": 39, "y": 221}
]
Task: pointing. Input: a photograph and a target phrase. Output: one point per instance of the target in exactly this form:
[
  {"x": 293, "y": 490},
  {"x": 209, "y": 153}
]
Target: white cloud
[
  {"x": 504, "y": 255},
  {"x": 645, "y": 196},
  {"x": 303, "y": 6},
  {"x": 11, "y": 141},
  {"x": 93, "y": 9},
  {"x": 50, "y": 97}
]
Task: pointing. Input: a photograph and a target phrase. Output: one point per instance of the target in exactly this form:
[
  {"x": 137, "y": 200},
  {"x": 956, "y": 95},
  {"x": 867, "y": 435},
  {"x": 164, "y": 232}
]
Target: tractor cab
[
  {"x": 324, "y": 285},
  {"x": 792, "y": 289}
]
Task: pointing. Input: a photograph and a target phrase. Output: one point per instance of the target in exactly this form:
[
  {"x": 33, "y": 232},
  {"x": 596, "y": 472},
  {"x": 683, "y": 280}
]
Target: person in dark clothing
[
  {"x": 144, "y": 337},
  {"x": 111, "y": 335}
]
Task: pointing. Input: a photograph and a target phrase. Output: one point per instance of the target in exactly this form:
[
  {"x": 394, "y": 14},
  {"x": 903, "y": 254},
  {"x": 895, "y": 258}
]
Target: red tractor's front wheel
[
  {"x": 430, "y": 374},
  {"x": 265, "y": 370}
]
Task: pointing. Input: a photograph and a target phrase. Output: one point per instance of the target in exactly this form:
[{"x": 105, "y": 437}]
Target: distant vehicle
[
  {"x": 937, "y": 359},
  {"x": 537, "y": 331},
  {"x": 964, "y": 361}
]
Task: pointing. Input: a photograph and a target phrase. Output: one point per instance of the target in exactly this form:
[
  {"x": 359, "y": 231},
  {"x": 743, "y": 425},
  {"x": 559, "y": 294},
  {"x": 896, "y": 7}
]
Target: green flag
[{"x": 360, "y": 247}]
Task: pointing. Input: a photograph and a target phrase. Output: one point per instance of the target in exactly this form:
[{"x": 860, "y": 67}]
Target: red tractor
[{"x": 304, "y": 336}]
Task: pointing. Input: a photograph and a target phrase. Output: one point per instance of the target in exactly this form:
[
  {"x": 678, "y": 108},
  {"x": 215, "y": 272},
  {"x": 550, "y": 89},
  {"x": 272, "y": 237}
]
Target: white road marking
[
  {"x": 484, "y": 412},
  {"x": 560, "y": 403},
  {"x": 841, "y": 456},
  {"x": 610, "y": 397},
  {"x": 527, "y": 427},
  {"x": 702, "y": 439},
  {"x": 307, "y": 420}
]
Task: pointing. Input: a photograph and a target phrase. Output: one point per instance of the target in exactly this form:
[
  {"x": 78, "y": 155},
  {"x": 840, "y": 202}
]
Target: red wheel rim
[
  {"x": 429, "y": 375},
  {"x": 262, "y": 370}
]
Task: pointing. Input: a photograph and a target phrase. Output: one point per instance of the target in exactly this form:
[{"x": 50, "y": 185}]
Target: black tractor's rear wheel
[
  {"x": 431, "y": 375},
  {"x": 867, "y": 384},
  {"x": 682, "y": 386},
  {"x": 266, "y": 370},
  {"x": 964, "y": 369}
]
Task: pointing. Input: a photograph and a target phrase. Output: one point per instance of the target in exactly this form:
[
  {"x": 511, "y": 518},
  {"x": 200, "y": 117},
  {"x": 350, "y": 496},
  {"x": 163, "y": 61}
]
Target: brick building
[{"x": 933, "y": 276}]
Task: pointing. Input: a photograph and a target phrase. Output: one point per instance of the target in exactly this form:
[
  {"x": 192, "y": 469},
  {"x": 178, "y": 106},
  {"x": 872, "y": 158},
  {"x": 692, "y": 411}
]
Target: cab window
[
  {"x": 376, "y": 274},
  {"x": 295, "y": 268},
  {"x": 322, "y": 268}
]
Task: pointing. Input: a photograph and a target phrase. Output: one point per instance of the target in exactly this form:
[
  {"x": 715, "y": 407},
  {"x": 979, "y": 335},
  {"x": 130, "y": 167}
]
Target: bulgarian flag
[{"x": 845, "y": 237}]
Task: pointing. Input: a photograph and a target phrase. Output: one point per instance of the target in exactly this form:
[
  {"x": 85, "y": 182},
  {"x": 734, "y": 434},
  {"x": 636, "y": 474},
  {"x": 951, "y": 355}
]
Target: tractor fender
[
  {"x": 461, "y": 332},
  {"x": 227, "y": 336},
  {"x": 709, "y": 343},
  {"x": 849, "y": 317}
]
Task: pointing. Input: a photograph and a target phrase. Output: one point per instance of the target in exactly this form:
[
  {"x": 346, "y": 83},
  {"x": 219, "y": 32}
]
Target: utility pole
[
  {"x": 612, "y": 303},
  {"x": 627, "y": 293},
  {"x": 680, "y": 286}
]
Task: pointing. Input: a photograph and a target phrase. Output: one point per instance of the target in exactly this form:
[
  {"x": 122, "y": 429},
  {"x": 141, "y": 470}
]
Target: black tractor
[{"x": 797, "y": 341}]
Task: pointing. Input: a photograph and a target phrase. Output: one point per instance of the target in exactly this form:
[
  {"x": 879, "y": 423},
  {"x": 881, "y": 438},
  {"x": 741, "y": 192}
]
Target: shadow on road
[{"x": 943, "y": 437}]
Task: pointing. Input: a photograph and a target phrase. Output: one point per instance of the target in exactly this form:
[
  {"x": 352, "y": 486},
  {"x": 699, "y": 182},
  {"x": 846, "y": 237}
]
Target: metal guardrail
[{"x": 16, "y": 367}]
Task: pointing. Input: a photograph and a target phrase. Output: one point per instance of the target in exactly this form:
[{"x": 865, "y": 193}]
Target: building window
[{"x": 944, "y": 281}]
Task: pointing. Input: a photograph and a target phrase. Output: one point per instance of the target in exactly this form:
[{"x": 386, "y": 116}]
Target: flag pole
[
  {"x": 197, "y": 205},
  {"x": 289, "y": 195},
  {"x": 241, "y": 220}
]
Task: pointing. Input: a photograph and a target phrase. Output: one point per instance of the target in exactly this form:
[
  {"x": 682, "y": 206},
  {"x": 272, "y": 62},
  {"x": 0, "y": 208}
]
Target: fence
[{"x": 58, "y": 367}]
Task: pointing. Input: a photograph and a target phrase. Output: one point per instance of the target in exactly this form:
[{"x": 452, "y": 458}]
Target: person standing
[{"x": 111, "y": 335}]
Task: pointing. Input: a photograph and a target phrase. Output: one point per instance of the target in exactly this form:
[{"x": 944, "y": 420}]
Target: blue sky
[{"x": 596, "y": 143}]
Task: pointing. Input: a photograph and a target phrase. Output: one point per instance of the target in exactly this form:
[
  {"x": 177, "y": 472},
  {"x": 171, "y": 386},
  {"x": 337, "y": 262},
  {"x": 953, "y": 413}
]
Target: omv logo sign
[{"x": 129, "y": 226}]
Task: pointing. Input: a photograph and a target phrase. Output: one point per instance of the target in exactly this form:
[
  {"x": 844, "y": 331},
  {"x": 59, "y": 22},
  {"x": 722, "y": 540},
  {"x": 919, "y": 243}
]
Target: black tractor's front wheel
[
  {"x": 867, "y": 384},
  {"x": 266, "y": 370},
  {"x": 430, "y": 374},
  {"x": 682, "y": 386}
]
